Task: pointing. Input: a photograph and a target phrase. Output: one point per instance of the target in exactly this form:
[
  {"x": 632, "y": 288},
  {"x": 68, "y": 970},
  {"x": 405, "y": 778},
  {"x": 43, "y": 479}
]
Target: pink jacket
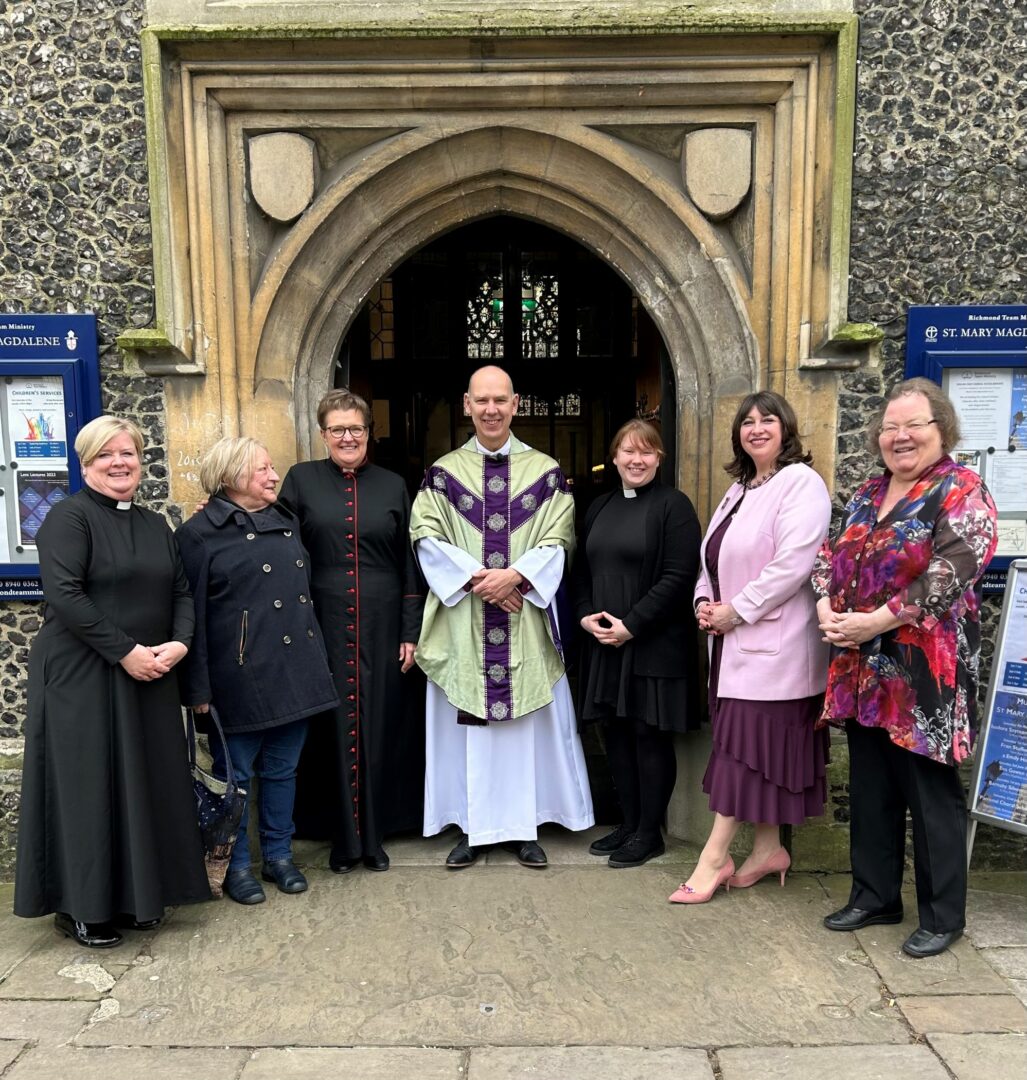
[{"x": 765, "y": 565}]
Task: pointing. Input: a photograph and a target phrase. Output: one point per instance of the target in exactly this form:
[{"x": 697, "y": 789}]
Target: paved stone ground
[{"x": 496, "y": 972}]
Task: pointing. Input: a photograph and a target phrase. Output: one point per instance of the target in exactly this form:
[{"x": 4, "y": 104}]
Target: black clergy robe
[
  {"x": 361, "y": 776},
  {"x": 108, "y": 824}
]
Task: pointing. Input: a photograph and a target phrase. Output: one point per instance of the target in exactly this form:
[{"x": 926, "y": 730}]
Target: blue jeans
[{"x": 272, "y": 756}]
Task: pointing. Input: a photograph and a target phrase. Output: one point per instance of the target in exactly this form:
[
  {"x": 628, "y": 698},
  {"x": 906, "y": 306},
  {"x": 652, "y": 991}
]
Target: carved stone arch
[{"x": 582, "y": 183}]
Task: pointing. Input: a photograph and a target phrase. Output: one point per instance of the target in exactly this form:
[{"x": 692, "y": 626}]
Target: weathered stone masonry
[{"x": 939, "y": 193}]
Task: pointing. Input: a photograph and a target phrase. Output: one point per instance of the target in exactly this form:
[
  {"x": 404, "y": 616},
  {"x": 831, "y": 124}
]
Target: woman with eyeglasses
[
  {"x": 899, "y": 605},
  {"x": 361, "y": 775}
]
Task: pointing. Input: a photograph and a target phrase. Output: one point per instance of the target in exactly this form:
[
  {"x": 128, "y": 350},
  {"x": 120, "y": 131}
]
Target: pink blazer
[{"x": 765, "y": 565}]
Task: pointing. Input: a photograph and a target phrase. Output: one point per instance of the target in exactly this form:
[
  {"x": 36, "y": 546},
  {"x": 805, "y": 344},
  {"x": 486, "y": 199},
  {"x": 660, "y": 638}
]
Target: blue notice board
[
  {"x": 978, "y": 355},
  {"x": 49, "y": 388}
]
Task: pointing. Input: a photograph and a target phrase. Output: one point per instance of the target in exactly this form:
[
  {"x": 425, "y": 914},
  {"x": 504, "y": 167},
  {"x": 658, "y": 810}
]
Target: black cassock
[
  {"x": 108, "y": 824},
  {"x": 361, "y": 775}
]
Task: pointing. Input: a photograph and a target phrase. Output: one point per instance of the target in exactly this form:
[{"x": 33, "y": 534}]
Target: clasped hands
[
  {"x": 147, "y": 663},
  {"x": 607, "y": 629},
  {"x": 716, "y": 617},
  {"x": 499, "y": 587},
  {"x": 850, "y": 629}
]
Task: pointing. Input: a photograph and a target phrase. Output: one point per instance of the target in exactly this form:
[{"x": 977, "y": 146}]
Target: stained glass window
[
  {"x": 540, "y": 315},
  {"x": 381, "y": 316},
  {"x": 485, "y": 318}
]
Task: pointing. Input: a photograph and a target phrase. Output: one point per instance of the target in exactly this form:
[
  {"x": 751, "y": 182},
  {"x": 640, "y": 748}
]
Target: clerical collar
[
  {"x": 629, "y": 493},
  {"x": 122, "y": 505},
  {"x": 503, "y": 451},
  {"x": 107, "y": 500}
]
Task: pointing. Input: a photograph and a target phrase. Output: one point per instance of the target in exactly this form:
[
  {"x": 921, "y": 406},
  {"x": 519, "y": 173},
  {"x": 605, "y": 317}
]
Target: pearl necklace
[{"x": 751, "y": 485}]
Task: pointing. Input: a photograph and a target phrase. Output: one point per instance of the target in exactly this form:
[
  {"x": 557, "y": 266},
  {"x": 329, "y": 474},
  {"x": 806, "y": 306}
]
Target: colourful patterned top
[{"x": 923, "y": 559}]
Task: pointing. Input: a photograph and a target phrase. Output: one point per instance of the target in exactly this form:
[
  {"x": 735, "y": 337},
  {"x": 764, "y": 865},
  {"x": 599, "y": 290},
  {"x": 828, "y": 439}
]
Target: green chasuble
[{"x": 489, "y": 663}]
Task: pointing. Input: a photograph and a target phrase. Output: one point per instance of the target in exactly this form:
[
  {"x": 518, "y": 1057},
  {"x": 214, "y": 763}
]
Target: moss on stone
[{"x": 856, "y": 335}]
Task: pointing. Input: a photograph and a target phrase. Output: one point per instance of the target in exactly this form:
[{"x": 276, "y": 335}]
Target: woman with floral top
[{"x": 898, "y": 605}]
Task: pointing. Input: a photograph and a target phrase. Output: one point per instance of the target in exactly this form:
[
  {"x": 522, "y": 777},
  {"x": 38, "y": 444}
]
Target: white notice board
[{"x": 998, "y": 794}]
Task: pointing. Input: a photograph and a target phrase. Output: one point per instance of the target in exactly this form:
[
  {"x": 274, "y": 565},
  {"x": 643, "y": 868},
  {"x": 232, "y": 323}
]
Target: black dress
[
  {"x": 639, "y": 563},
  {"x": 361, "y": 775},
  {"x": 108, "y": 824}
]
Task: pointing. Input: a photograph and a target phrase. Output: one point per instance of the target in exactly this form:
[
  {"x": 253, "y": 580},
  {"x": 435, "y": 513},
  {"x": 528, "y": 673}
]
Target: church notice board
[
  {"x": 999, "y": 787},
  {"x": 978, "y": 355},
  {"x": 49, "y": 388}
]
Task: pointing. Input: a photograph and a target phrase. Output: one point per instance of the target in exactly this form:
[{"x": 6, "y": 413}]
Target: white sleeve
[
  {"x": 446, "y": 568},
  {"x": 543, "y": 567}
]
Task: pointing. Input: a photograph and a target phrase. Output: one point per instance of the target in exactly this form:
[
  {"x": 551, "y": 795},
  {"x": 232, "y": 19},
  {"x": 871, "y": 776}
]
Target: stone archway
[
  {"x": 710, "y": 171},
  {"x": 420, "y": 189}
]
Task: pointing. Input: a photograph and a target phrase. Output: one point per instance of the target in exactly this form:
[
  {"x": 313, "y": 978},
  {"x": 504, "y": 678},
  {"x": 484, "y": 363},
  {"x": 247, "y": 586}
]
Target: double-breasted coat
[{"x": 257, "y": 652}]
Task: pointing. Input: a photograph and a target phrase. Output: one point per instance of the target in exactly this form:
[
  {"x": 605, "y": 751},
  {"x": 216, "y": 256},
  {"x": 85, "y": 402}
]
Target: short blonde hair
[
  {"x": 229, "y": 463},
  {"x": 95, "y": 435},
  {"x": 643, "y": 434}
]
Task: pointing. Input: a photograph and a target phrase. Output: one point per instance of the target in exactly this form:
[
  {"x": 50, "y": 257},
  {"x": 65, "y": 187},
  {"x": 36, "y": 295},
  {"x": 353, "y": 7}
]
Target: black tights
[{"x": 644, "y": 769}]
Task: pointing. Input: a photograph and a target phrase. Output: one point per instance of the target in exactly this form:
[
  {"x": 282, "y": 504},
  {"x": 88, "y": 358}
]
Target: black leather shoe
[
  {"x": 530, "y": 854},
  {"x": 90, "y": 935},
  {"x": 342, "y": 866},
  {"x": 378, "y": 861},
  {"x": 243, "y": 887},
  {"x": 463, "y": 854},
  {"x": 636, "y": 851},
  {"x": 923, "y": 943},
  {"x": 284, "y": 873},
  {"x": 127, "y": 922},
  {"x": 609, "y": 843},
  {"x": 855, "y": 918}
]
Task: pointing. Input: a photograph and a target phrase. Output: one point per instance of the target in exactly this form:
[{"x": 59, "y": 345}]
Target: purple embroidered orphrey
[
  {"x": 495, "y": 621},
  {"x": 495, "y": 518}
]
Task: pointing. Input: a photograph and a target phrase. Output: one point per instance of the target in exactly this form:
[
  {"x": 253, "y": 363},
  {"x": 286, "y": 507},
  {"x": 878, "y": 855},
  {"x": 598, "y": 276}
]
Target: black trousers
[
  {"x": 644, "y": 768},
  {"x": 884, "y": 781}
]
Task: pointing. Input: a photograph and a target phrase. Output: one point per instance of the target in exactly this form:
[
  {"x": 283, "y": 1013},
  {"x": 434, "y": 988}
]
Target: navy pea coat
[{"x": 257, "y": 651}]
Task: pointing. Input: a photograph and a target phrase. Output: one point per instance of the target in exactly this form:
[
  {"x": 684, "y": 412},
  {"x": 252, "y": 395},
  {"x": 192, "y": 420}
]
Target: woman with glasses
[
  {"x": 361, "y": 774},
  {"x": 899, "y": 606}
]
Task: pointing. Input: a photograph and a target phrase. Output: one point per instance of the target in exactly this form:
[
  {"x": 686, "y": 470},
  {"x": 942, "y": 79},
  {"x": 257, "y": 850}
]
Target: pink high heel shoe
[
  {"x": 778, "y": 863},
  {"x": 685, "y": 894}
]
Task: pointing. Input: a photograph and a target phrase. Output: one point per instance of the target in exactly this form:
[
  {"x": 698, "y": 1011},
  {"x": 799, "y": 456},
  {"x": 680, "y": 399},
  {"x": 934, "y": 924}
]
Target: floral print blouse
[{"x": 923, "y": 559}]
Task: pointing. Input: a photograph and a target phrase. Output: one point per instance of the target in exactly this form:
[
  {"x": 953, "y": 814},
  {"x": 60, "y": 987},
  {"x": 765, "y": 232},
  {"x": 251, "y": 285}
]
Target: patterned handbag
[{"x": 219, "y": 806}]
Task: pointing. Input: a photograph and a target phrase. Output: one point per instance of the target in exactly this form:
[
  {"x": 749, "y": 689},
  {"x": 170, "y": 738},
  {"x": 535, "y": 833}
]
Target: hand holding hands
[
  {"x": 716, "y": 617},
  {"x": 850, "y": 629},
  {"x": 145, "y": 663},
  {"x": 498, "y": 587},
  {"x": 607, "y": 629}
]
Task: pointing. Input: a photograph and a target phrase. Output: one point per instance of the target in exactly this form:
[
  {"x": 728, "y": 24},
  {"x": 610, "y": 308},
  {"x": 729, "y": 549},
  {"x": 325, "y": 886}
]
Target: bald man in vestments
[{"x": 493, "y": 525}]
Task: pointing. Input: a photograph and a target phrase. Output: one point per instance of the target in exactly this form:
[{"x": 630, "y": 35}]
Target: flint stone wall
[{"x": 940, "y": 188}]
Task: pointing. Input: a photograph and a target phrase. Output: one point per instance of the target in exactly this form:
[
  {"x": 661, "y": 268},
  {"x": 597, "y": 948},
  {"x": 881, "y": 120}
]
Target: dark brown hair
[
  {"x": 768, "y": 403},
  {"x": 641, "y": 433},
  {"x": 343, "y": 399}
]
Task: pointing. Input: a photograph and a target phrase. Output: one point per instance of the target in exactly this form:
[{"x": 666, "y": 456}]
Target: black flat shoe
[
  {"x": 285, "y": 874},
  {"x": 463, "y": 854},
  {"x": 88, "y": 935},
  {"x": 378, "y": 861},
  {"x": 923, "y": 943},
  {"x": 243, "y": 887},
  {"x": 530, "y": 854},
  {"x": 637, "y": 851},
  {"x": 128, "y": 922},
  {"x": 609, "y": 843},
  {"x": 854, "y": 918},
  {"x": 343, "y": 866}
]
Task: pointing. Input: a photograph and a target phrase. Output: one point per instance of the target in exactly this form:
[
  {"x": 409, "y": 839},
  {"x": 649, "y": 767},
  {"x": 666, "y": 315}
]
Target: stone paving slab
[
  {"x": 360, "y": 1063},
  {"x": 982, "y": 1057},
  {"x": 67, "y": 1063},
  {"x": 815, "y": 1063},
  {"x": 958, "y": 970},
  {"x": 586, "y": 1063},
  {"x": 563, "y": 956},
  {"x": 965, "y": 1015},
  {"x": 47, "y": 1022},
  {"x": 59, "y": 970},
  {"x": 9, "y": 1052},
  {"x": 996, "y": 918},
  {"x": 18, "y": 937},
  {"x": 1011, "y": 964}
]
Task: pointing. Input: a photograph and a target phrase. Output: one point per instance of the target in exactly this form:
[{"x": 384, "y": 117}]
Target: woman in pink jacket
[{"x": 768, "y": 664}]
